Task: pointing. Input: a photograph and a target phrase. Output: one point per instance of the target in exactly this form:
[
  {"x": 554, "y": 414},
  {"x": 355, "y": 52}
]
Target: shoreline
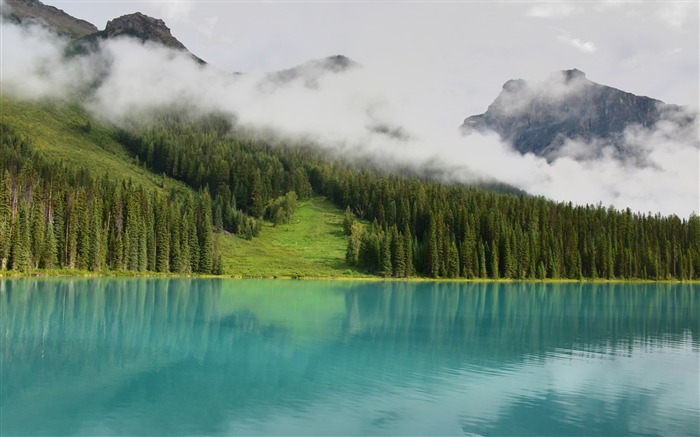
[{"x": 156, "y": 275}]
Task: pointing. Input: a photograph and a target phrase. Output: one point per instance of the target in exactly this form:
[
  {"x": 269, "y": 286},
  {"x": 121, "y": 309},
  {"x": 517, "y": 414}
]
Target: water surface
[{"x": 221, "y": 357}]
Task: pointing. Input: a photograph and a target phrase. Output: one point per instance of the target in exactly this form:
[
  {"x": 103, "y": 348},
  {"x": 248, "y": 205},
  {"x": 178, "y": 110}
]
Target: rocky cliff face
[
  {"x": 540, "y": 117},
  {"x": 136, "y": 25},
  {"x": 34, "y": 11},
  {"x": 143, "y": 27}
]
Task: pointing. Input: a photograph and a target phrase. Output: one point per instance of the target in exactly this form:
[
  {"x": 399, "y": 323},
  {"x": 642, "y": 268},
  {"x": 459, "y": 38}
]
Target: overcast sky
[
  {"x": 455, "y": 54},
  {"x": 427, "y": 67}
]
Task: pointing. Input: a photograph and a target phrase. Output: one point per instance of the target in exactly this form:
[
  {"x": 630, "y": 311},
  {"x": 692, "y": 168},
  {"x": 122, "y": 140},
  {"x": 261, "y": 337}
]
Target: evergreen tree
[
  {"x": 50, "y": 254},
  {"x": 5, "y": 219},
  {"x": 96, "y": 256},
  {"x": 193, "y": 241},
  {"x": 162, "y": 236},
  {"x": 21, "y": 250},
  {"x": 408, "y": 252},
  {"x": 433, "y": 259},
  {"x": 386, "y": 269},
  {"x": 494, "y": 273},
  {"x": 206, "y": 234},
  {"x": 352, "y": 253},
  {"x": 482, "y": 260},
  {"x": 37, "y": 237},
  {"x": 348, "y": 221},
  {"x": 453, "y": 261},
  {"x": 257, "y": 199},
  {"x": 369, "y": 256},
  {"x": 175, "y": 239},
  {"x": 398, "y": 254}
]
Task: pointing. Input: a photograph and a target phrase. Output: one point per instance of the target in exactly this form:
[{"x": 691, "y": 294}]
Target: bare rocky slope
[
  {"x": 34, "y": 11},
  {"x": 539, "y": 117}
]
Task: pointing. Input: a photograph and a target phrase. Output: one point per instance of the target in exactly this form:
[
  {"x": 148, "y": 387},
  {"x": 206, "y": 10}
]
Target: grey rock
[
  {"x": 539, "y": 118},
  {"x": 35, "y": 12}
]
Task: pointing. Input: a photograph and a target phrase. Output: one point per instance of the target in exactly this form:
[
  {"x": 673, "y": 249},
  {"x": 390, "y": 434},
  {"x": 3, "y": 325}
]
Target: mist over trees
[{"x": 398, "y": 224}]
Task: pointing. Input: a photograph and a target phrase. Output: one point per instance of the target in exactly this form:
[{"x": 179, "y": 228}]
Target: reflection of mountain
[{"x": 158, "y": 356}]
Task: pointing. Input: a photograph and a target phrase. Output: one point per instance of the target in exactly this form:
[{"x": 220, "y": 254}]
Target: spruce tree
[
  {"x": 5, "y": 219},
  {"x": 408, "y": 252},
  {"x": 453, "y": 261},
  {"x": 433, "y": 260},
  {"x": 22, "y": 248},
  {"x": 257, "y": 199},
  {"x": 175, "y": 239},
  {"x": 162, "y": 236},
  {"x": 348, "y": 221},
  {"x": 72, "y": 227},
  {"x": 36, "y": 211},
  {"x": 84, "y": 233},
  {"x": 193, "y": 242},
  {"x": 386, "y": 269},
  {"x": 185, "y": 263},
  {"x": 96, "y": 256},
  {"x": 398, "y": 253},
  {"x": 50, "y": 254},
  {"x": 206, "y": 234},
  {"x": 494, "y": 260}
]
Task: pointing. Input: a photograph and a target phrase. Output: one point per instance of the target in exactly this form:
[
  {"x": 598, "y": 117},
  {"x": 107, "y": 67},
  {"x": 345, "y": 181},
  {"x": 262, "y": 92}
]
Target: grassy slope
[
  {"x": 312, "y": 245},
  {"x": 59, "y": 131}
]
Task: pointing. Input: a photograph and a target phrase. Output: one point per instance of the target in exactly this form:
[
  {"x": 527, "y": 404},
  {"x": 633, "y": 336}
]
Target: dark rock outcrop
[
  {"x": 34, "y": 11},
  {"x": 136, "y": 25},
  {"x": 540, "y": 117},
  {"x": 142, "y": 27}
]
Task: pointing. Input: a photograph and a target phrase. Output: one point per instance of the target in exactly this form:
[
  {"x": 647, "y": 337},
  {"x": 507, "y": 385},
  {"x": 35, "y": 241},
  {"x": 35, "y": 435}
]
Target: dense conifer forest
[
  {"x": 398, "y": 224},
  {"x": 52, "y": 216}
]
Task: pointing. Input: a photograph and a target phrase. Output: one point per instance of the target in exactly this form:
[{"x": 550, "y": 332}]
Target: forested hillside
[
  {"x": 54, "y": 216},
  {"x": 55, "y": 213},
  {"x": 420, "y": 227}
]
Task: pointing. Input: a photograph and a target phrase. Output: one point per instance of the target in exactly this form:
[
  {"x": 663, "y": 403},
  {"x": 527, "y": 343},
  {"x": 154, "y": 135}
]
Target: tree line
[
  {"x": 404, "y": 224},
  {"x": 52, "y": 216},
  {"x": 398, "y": 224}
]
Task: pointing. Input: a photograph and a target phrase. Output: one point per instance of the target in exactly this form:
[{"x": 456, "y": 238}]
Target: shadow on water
[{"x": 213, "y": 356}]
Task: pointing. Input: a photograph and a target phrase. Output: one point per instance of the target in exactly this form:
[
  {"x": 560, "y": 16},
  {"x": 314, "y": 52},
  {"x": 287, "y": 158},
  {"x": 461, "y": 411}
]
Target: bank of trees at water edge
[{"x": 398, "y": 224}]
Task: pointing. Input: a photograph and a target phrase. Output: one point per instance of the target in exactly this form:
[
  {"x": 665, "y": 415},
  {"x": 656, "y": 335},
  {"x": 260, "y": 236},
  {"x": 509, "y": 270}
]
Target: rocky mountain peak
[
  {"x": 573, "y": 74},
  {"x": 136, "y": 25},
  {"x": 539, "y": 117},
  {"x": 144, "y": 28},
  {"x": 35, "y": 12}
]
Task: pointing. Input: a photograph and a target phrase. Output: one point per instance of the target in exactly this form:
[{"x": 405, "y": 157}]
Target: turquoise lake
[{"x": 269, "y": 357}]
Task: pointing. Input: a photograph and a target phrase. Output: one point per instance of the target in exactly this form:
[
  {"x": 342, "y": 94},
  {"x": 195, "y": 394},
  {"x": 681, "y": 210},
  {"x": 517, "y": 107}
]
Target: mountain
[
  {"x": 34, "y": 11},
  {"x": 65, "y": 139},
  {"x": 185, "y": 195},
  {"x": 309, "y": 72},
  {"x": 539, "y": 117},
  {"x": 136, "y": 25}
]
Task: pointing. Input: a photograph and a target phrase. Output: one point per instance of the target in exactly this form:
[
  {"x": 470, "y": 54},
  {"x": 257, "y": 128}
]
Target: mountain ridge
[
  {"x": 539, "y": 118},
  {"x": 137, "y": 26},
  {"x": 34, "y": 11}
]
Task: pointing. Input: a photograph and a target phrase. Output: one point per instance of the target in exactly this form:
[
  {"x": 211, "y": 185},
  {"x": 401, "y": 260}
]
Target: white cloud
[
  {"x": 586, "y": 47},
  {"x": 553, "y": 10},
  {"x": 341, "y": 112},
  {"x": 174, "y": 9},
  {"x": 674, "y": 13},
  {"x": 33, "y": 65}
]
